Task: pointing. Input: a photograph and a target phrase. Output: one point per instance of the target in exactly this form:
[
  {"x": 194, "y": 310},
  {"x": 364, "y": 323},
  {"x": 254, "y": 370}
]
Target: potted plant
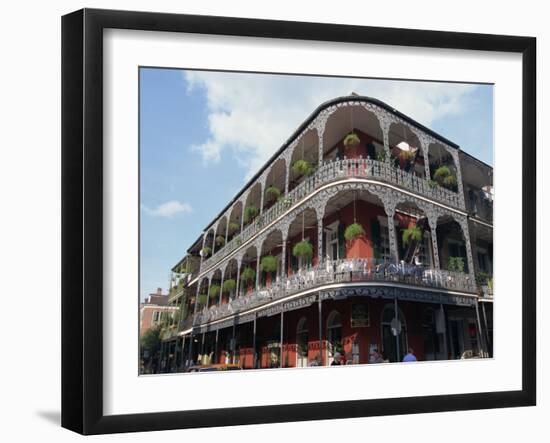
[
  {"x": 229, "y": 285},
  {"x": 250, "y": 213},
  {"x": 456, "y": 264},
  {"x": 445, "y": 177},
  {"x": 273, "y": 192},
  {"x": 220, "y": 240},
  {"x": 353, "y": 231},
  {"x": 406, "y": 159},
  {"x": 202, "y": 299},
  {"x": 269, "y": 263},
  {"x": 248, "y": 274},
  {"x": 234, "y": 227},
  {"x": 214, "y": 291},
  {"x": 302, "y": 167},
  {"x": 351, "y": 140},
  {"x": 303, "y": 249},
  {"x": 412, "y": 233}
]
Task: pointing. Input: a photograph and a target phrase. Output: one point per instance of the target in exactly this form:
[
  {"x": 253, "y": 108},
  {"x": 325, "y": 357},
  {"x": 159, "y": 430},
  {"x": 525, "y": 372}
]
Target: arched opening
[
  {"x": 334, "y": 335},
  {"x": 413, "y": 235},
  {"x": 215, "y": 288},
  {"x": 219, "y": 238},
  {"x": 229, "y": 286},
  {"x": 443, "y": 170},
  {"x": 248, "y": 271},
  {"x": 394, "y": 341},
  {"x": 452, "y": 246},
  {"x": 271, "y": 259},
  {"x": 202, "y": 297},
  {"x": 353, "y": 119},
  {"x": 302, "y": 340},
  {"x": 406, "y": 150},
  {"x": 305, "y": 158},
  {"x": 252, "y": 204},
  {"x": 302, "y": 242},
  {"x": 275, "y": 183},
  {"x": 206, "y": 250},
  {"x": 355, "y": 226},
  {"x": 235, "y": 220}
]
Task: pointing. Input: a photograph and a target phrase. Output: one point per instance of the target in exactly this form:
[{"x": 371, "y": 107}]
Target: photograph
[{"x": 298, "y": 221}]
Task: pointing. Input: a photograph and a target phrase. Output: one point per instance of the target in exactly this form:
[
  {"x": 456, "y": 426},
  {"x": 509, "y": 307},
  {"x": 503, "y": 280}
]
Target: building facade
[{"x": 365, "y": 231}]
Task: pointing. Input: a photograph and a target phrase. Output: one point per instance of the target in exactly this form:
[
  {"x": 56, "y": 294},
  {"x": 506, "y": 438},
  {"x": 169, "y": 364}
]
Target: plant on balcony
[
  {"x": 220, "y": 240},
  {"x": 482, "y": 278},
  {"x": 432, "y": 184},
  {"x": 229, "y": 285},
  {"x": 381, "y": 156},
  {"x": 273, "y": 192},
  {"x": 260, "y": 221},
  {"x": 445, "y": 177},
  {"x": 248, "y": 274},
  {"x": 303, "y": 249},
  {"x": 286, "y": 202},
  {"x": 205, "y": 252},
  {"x": 202, "y": 299},
  {"x": 302, "y": 167},
  {"x": 234, "y": 227},
  {"x": 214, "y": 291},
  {"x": 238, "y": 241},
  {"x": 269, "y": 264},
  {"x": 351, "y": 140},
  {"x": 353, "y": 231},
  {"x": 456, "y": 264},
  {"x": 250, "y": 213},
  {"x": 411, "y": 234}
]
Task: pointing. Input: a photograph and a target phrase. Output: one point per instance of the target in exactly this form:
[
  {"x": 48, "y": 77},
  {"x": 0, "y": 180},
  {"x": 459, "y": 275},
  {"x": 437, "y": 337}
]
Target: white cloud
[
  {"x": 251, "y": 115},
  {"x": 168, "y": 209}
]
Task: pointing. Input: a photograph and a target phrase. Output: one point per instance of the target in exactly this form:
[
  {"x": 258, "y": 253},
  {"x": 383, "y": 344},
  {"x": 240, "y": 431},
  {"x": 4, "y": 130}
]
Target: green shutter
[
  {"x": 341, "y": 242},
  {"x": 375, "y": 237}
]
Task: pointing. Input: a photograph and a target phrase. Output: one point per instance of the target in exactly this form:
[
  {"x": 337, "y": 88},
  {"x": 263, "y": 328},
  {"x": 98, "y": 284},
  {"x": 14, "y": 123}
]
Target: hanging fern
[
  {"x": 250, "y": 213},
  {"x": 456, "y": 264},
  {"x": 220, "y": 240},
  {"x": 234, "y": 227},
  {"x": 273, "y": 192},
  {"x": 229, "y": 285},
  {"x": 353, "y": 231},
  {"x": 450, "y": 181},
  {"x": 303, "y": 249},
  {"x": 442, "y": 172},
  {"x": 214, "y": 291},
  {"x": 351, "y": 140},
  {"x": 206, "y": 251},
  {"x": 248, "y": 274},
  {"x": 202, "y": 299},
  {"x": 269, "y": 264},
  {"x": 302, "y": 167},
  {"x": 411, "y": 234}
]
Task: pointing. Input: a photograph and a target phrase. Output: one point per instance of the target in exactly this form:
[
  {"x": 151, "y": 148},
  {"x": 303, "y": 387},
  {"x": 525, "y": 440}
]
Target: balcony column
[
  {"x": 456, "y": 160},
  {"x": 385, "y": 123},
  {"x": 237, "y": 287},
  {"x": 215, "y": 359},
  {"x": 466, "y": 234},
  {"x": 281, "y": 364},
  {"x": 182, "y": 363},
  {"x": 262, "y": 192},
  {"x": 254, "y": 356},
  {"x": 227, "y": 228},
  {"x": 319, "y": 238},
  {"x": 320, "y": 310},
  {"x": 394, "y": 251},
  {"x": 214, "y": 242},
  {"x": 433, "y": 235},
  {"x": 283, "y": 255},
  {"x": 203, "y": 243},
  {"x": 221, "y": 289},
  {"x": 320, "y": 133},
  {"x": 258, "y": 270},
  {"x": 425, "y": 146},
  {"x": 473, "y": 237},
  {"x": 481, "y": 333}
]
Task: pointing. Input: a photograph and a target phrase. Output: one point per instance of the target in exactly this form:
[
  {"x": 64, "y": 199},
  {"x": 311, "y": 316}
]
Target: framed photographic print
[{"x": 255, "y": 209}]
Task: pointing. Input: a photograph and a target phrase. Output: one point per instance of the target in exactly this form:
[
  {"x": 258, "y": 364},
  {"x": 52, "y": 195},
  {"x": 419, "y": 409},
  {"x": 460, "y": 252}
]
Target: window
[
  {"x": 331, "y": 241},
  {"x": 334, "y": 335}
]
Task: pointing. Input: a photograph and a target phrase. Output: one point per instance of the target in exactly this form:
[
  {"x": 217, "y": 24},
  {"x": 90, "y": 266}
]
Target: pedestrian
[
  {"x": 337, "y": 360},
  {"x": 410, "y": 356}
]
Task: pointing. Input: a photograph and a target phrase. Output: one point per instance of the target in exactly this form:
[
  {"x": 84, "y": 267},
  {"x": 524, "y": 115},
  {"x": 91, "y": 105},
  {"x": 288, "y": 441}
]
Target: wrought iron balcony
[
  {"x": 333, "y": 171},
  {"x": 365, "y": 270}
]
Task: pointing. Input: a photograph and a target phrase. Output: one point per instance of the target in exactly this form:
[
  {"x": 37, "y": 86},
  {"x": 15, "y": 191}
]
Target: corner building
[{"x": 344, "y": 243}]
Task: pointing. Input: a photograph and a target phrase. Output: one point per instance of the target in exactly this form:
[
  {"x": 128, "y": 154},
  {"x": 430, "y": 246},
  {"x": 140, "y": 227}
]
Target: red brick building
[{"x": 365, "y": 231}]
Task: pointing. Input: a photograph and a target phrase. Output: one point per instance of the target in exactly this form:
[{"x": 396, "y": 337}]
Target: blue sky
[{"x": 203, "y": 134}]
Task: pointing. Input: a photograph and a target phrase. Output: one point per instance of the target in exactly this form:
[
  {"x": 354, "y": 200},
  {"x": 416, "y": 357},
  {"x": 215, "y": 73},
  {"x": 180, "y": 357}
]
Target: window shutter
[
  {"x": 341, "y": 242},
  {"x": 375, "y": 238}
]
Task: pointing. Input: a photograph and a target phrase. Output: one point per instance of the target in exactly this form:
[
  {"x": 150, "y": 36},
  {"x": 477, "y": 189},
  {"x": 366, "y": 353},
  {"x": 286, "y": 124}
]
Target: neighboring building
[
  {"x": 154, "y": 310},
  {"x": 378, "y": 240}
]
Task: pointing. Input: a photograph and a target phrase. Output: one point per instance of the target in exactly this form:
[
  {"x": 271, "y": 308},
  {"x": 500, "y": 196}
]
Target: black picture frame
[{"x": 82, "y": 215}]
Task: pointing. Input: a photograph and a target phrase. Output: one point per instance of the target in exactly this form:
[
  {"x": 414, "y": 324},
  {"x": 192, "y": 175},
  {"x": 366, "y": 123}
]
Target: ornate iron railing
[
  {"x": 338, "y": 271},
  {"x": 330, "y": 172}
]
